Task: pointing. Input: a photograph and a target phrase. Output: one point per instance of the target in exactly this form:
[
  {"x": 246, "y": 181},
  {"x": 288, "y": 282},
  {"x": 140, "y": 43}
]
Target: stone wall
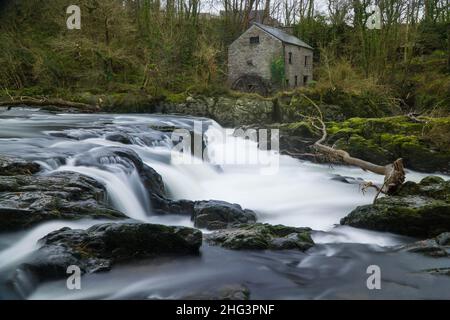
[
  {"x": 256, "y": 59},
  {"x": 297, "y": 67},
  {"x": 227, "y": 111}
]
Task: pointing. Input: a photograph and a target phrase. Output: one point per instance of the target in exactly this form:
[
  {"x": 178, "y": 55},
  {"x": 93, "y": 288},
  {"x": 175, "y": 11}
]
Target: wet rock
[
  {"x": 435, "y": 247},
  {"x": 101, "y": 246},
  {"x": 212, "y": 214},
  {"x": 74, "y": 134},
  {"x": 228, "y": 111},
  {"x": 119, "y": 137},
  {"x": 227, "y": 292},
  {"x": 427, "y": 247},
  {"x": 243, "y": 110},
  {"x": 346, "y": 179},
  {"x": 14, "y": 166},
  {"x": 439, "y": 271},
  {"x": 163, "y": 205},
  {"x": 28, "y": 200},
  {"x": 215, "y": 215},
  {"x": 419, "y": 210},
  {"x": 129, "y": 160},
  {"x": 431, "y": 187},
  {"x": 261, "y": 237},
  {"x": 151, "y": 179},
  {"x": 443, "y": 239}
]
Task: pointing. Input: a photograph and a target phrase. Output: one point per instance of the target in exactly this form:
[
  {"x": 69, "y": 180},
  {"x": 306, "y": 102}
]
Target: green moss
[
  {"x": 263, "y": 236},
  {"x": 416, "y": 209},
  {"x": 424, "y": 146},
  {"x": 301, "y": 128},
  {"x": 175, "y": 97}
]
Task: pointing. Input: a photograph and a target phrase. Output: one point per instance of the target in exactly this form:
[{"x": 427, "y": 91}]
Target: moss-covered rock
[
  {"x": 418, "y": 210},
  {"x": 424, "y": 146},
  {"x": 385, "y": 139},
  {"x": 215, "y": 215},
  {"x": 336, "y": 104},
  {"x": 99, "y": 247},
  {"x": 228, "y": 110},
  {"x": 261, "y": 237}
]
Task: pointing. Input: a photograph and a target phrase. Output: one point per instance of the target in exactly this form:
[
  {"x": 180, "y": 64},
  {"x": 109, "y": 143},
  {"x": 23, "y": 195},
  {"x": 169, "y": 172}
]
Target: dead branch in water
[{"x": 394, "y": 173}]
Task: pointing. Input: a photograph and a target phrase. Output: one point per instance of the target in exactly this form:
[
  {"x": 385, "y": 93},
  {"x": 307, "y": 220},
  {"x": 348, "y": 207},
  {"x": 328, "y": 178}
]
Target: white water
[
  {"x": 300, "y": 193},
  {"x": 123, "y": 189},
  {"x": 297, "y": 193}
]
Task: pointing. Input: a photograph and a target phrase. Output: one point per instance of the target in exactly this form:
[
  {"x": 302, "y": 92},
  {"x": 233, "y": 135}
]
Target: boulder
[
  {"x": 163, "y": 205},
  {"x": 215, "y": 215},
  {"x": 99, "y": 247},
  {"x": 416, "y": 209},
  {"x": 436, "y": 247},
  {"x": 10, "y": 166},
  {"x": 262, "y": 237},
  {"x": 212, "y": 214},
  {"x": 119, "y": 137},
  {"x": 28, "y": 200}
]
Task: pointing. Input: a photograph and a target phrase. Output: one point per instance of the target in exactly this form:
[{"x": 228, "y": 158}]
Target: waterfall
[{"x": 125, "y": 191}]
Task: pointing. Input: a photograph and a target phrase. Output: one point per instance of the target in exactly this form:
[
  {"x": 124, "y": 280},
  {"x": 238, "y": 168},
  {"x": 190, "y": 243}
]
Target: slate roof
[{"x": 283, "y": 36}]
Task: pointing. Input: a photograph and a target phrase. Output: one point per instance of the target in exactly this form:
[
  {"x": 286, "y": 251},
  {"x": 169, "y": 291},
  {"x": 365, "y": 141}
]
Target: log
[
  {"x": 49, "y": 102},
  {"x": 394, "y": 173}
]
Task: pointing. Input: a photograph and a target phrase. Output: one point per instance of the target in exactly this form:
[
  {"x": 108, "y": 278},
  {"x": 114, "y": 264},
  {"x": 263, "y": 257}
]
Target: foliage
[
  {"x": 174, "y": 49},
  {"x": 277, "y": 71}
]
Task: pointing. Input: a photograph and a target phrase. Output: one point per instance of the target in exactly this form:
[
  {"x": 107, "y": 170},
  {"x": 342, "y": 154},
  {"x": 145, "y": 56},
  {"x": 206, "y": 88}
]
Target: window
[
  {"x": 290, "y": 57},
  {"x": 296, "y": 80},
  {"x": 254, "y": 40},
  {"x": 306, "y": 61},
  {"x": 287, "y": 82},
  {"x": 305, "y": 80}
]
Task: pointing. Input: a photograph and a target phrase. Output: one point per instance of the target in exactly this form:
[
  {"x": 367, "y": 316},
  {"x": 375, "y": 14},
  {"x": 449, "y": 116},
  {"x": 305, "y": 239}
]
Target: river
[{"x": 299, "y": 193}]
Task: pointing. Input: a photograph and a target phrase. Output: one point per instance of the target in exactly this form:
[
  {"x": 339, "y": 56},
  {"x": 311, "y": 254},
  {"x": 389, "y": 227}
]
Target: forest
[{"x": 179, "y": 48}]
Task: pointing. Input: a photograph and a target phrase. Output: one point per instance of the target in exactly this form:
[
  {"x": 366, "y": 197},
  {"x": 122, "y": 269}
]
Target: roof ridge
[{"x": 282, "y": 35}]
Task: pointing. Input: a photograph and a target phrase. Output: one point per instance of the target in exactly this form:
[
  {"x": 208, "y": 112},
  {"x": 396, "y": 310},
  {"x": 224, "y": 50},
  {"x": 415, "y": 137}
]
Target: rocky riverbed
[{"x": 100, "y": 192}]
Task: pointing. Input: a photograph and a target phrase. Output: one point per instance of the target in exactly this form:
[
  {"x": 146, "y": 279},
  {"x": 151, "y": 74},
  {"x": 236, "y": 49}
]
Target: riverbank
[{"x": 367, "y": 127}]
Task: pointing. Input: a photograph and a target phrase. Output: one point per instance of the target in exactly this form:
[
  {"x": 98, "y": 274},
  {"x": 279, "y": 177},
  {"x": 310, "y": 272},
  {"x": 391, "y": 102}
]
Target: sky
[{"x": 214, "y": 6}]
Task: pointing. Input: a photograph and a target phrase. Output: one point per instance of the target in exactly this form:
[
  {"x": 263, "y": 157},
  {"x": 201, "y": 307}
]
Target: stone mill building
[{"x": 265, "y": 58}]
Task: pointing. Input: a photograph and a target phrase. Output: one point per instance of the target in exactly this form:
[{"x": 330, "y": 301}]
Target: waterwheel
[{"x": 252, "y": 84}]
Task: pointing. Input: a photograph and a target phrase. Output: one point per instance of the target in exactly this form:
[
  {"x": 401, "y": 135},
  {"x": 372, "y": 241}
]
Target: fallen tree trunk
[
  {"x": 48, "y": 102},
  {"x": 394, "y": 173}
]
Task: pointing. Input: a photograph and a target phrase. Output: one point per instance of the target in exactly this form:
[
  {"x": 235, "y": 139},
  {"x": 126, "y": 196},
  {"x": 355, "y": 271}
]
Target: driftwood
[
  {"x": 394, "y": 173},
  {"x": 413, "y": 117},
  {"x": 48, "y": 102}
]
